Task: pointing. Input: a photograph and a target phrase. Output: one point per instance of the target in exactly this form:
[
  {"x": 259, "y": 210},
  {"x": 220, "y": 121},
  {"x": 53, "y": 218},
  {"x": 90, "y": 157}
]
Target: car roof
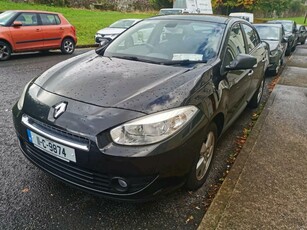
[
  {"x": 197, "y": 17},
  {"x": 268, "y": 24},
  {"x": 280, "y": 21},
  {"x": 130, "y": 19},
  {"x": 34, "y": 11}
]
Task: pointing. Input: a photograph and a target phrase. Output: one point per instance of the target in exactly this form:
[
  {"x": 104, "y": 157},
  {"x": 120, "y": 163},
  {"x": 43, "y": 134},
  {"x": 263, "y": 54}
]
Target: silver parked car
[{"x": 114, "y": 29}]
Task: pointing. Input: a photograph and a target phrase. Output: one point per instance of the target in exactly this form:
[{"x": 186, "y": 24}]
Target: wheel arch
[
  {"x": 68, "y": 36},
  {"x": 4, "y": 40}
]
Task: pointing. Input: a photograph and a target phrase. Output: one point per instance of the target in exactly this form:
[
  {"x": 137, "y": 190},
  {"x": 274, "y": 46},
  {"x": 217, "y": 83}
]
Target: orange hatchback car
[{"x": 22, "y": 31}]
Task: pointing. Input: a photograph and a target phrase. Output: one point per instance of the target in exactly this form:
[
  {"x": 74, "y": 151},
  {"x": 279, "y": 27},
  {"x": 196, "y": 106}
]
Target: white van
[{"x": 247, "y": 16}]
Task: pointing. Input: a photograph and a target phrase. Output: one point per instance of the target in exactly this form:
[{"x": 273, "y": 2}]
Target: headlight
[
  {"x": 98, "y": 35},
  {"x": 153, "y": 128},
  {"x": 22, "y": 96},
  {"x": 111, "y": 36}
]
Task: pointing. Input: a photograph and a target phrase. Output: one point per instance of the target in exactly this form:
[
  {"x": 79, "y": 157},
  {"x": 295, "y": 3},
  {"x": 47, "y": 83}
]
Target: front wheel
[
  {"x": 255, "y": 101},
  {"x": 5, "y": 51},
  {"x": 68, "y": 46},
  {"x": 203, "y": 160}
]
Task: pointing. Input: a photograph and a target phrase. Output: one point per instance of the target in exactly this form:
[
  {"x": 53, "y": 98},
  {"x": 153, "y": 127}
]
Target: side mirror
[
  {"x": 102, "y": 46},
  {"x": 103, "y": 42},
  {"x": 17, "y": 24},
  {"x": 284, "y": 39},
  {"x": 242, "y": 61}
]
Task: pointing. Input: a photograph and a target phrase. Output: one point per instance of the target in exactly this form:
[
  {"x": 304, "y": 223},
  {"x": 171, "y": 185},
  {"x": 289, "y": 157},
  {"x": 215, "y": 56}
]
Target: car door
[
  {"x": 238, "y": 80},
  {"x": 257, "y": 49},
  {"x": 52, "y": 30},
  {"x": 29, "y": 35}
]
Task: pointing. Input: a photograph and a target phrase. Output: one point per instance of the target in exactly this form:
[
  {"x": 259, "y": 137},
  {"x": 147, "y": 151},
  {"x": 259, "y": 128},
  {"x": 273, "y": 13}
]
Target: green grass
[
  {"x": 87, "y": 22},
  {"x": 298, "y": 20}
]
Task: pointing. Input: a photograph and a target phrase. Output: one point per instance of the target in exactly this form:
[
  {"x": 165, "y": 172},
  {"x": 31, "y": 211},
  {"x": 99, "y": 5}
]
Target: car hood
[
  {"x": 119, "y": 83},
  {"x": 273, "y": 44},
  {"x": 111, "y": 31}
]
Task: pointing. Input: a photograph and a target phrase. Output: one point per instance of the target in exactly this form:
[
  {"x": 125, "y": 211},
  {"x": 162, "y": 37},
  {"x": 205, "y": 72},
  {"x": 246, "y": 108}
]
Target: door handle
[
  {"x": 61, "y": 28},
  {"x": 250, "y": 73},
  {"x": 38, "y": 30}
]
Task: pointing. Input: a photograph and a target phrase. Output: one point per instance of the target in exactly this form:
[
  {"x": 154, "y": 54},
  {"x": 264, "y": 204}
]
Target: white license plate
[{"x": 55, "y": 149}]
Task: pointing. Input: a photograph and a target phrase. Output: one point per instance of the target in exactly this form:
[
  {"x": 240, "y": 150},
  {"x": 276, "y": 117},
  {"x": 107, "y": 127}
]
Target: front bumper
[
  {"x": 274, "y": 61},
  {"x": 149, "y": 171}
]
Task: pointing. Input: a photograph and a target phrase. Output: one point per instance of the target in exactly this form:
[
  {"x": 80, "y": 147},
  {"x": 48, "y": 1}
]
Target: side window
[
  {"x": 27, "y": 19},
  {"x": 57, "y": 19},
  {"x": 251, "y": 36},
  {"x": 235, "y": 45},
  {"x": 49, "y": 19}
]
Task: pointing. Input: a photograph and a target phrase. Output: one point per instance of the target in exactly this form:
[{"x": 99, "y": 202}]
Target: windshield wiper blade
[
  {"x": 134, "y": 58},
  {"x": 182, "y": 62}
]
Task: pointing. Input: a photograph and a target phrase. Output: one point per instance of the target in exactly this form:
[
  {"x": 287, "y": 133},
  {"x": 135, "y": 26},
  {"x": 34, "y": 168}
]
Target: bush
[{"x": 142, "y": 5}]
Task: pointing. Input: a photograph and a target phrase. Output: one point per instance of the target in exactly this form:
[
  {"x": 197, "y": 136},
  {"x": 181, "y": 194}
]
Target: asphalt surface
[
  {"x": 31, "y": 199},
  {"x": 266, "y": 188}
]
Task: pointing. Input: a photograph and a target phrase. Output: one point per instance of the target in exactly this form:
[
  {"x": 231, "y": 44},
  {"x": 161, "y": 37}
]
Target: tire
[
  {"x": 288, "y": 52},
  {"x": 5, "y": 51},
  {"x": 255, "y": 101},
  {"x": 68, "y": 46},
  {"x": 203, "y": 161}
]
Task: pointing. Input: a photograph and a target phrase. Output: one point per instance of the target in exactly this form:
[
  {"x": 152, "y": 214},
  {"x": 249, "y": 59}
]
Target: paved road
[{"x": 30, "y": 199}]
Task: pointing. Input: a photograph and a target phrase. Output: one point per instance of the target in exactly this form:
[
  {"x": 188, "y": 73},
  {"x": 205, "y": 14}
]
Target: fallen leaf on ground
[
  {"x": 25, "y": 190},
  {"x": 189, "y": 219}
]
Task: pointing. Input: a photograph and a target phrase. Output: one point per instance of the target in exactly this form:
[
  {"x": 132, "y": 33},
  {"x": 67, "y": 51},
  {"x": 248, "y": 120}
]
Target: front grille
[
  {"x": 48, "y": 128},
  {"x": 88, "y": 179}
]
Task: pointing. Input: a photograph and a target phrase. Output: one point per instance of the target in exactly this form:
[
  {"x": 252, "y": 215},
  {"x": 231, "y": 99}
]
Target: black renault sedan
[
  {"x": 274, "y": 35},
  {"x": 142, "y": 116}
]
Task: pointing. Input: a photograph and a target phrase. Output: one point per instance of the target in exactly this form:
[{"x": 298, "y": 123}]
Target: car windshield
[
  {"x": 268, "y": 32},
  {"x": 287, "y": 26},
  {"x": 5, "y": 17},
  {"x": 169, "y": 41},
  {"x": 122, "y": 24}
]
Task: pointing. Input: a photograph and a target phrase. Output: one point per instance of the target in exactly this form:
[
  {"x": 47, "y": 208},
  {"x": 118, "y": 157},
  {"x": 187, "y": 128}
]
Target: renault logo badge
[{"x": 59, "y": 109}]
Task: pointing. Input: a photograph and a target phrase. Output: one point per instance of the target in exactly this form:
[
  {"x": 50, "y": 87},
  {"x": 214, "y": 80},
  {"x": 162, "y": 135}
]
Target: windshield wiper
[
  {"x": 134, "y": 58},
  {"x": 182, "y": 62}
]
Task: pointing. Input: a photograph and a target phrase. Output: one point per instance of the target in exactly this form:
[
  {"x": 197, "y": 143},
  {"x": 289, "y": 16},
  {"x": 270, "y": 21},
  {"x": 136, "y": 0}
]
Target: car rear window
[{"x": 50, "y": 19}]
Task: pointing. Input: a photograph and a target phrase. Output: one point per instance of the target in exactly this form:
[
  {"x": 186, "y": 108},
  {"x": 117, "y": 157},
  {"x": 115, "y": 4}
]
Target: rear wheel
[
  {"x": 68, "y": 46},
  {"x": 255, "y": 101},
  {"x": 5, "y": 51},
  {"x": 202, "y": 162}
]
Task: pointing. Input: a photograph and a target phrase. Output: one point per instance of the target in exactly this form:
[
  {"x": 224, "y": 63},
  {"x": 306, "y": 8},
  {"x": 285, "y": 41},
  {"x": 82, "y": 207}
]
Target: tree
[{"x": 273, "y": 6}]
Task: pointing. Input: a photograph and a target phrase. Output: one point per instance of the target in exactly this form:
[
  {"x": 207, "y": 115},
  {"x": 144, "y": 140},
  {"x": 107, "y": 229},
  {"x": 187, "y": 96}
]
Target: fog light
[{"x": 119, "y": 184}]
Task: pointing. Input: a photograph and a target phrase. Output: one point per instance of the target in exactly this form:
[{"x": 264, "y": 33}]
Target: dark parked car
[
  {"x": 273, "y": 34},
  {"x": 290, "y": 33},
  {"x": 302, "y": 33},
  {"x": 142, "y": 118}
]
